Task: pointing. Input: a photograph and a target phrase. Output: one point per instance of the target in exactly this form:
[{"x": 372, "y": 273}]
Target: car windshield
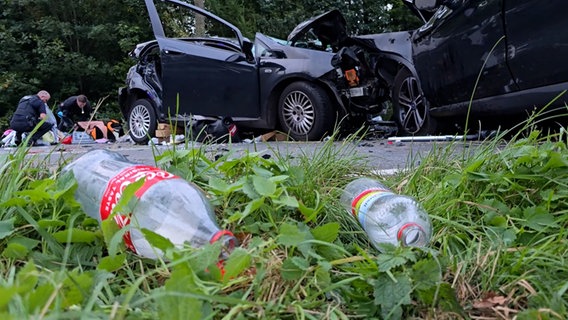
[
  {"x": 182, "y": 22},
  {"x": 310, "y": 41}
]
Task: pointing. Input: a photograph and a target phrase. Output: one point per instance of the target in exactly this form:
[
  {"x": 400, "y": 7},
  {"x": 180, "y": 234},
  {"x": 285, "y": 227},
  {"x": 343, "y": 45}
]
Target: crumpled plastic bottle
[{"x": 167, "y": 205}]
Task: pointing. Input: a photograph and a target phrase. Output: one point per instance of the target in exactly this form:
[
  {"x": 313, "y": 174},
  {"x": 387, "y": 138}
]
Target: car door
[
  {"x": 454, "y": 45},
  {"x": 537, "y": 40},
  {"x": 207, "y": 81},
  {"x": 204, "y": 68}
]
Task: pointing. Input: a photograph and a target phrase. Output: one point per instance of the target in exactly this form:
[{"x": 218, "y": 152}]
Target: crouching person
[
  {"x": 73, "y": 110},
  {"x": 31, "y": 110}
]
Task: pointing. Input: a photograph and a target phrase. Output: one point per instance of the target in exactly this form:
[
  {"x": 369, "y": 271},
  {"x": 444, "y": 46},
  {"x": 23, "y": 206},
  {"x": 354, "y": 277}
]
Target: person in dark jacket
[
  {"x": 31, "y": 110},
  {"x": 72, "y": 110}
]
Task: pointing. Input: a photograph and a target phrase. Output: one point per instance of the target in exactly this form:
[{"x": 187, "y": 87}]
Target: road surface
[{"x": 380, "y": 154}]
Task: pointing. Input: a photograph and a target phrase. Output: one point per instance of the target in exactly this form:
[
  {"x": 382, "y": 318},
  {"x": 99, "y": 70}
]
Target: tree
[
  {"x": 67, "y": 47},
  {"x": 277, "y": 18},
  {"x": 401, "y": 18}
]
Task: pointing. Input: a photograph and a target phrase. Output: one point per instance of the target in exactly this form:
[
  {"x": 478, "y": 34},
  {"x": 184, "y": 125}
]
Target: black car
[
  {"x": 201, "y": 67},
  {"x": 491, "y": 57}
]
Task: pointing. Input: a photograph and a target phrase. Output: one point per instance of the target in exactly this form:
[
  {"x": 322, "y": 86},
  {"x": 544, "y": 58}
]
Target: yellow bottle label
[{"x": 362, "y": 202}]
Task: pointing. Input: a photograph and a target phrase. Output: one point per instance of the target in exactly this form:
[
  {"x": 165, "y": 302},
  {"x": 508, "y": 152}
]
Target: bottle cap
[
  {"x": 222, "y": 233},
  {"x": 412, "y": 234},
  {"x": 229, "y": 241}
]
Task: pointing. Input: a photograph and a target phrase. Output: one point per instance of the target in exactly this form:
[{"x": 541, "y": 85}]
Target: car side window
[{"x": 182, "y": 23}]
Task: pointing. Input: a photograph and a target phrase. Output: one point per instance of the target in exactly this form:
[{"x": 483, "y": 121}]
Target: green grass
[{"x": 498, "y": 250}]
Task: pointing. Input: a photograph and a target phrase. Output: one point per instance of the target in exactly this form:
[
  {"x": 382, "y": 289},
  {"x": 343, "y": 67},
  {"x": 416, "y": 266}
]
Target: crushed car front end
[{"x": 362, "y": 68}]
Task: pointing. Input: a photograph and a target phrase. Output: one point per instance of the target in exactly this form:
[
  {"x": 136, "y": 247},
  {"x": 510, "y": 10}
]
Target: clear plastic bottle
[
  {"x": 167, "y": 205},
  {"x": 385, "y": 216}
]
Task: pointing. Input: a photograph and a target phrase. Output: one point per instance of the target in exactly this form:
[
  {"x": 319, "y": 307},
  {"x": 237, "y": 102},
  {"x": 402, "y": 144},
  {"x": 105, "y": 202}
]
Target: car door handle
[{"x": 173, "y": 52}]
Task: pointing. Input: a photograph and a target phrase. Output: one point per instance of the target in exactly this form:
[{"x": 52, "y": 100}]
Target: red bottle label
[{"x": 119, "y": 182}]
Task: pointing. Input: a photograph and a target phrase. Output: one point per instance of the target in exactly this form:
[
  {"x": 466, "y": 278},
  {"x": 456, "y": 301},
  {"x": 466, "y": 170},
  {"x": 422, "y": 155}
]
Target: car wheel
[
  {"x": 305, "y": 111},
  {"x": 142, "y": 121},
  {"x": 411, "y": 109}
]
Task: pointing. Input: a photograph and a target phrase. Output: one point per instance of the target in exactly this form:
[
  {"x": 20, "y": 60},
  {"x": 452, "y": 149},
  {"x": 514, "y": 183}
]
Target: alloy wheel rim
[
  {"x": 413, "y": 109},
  {"x": 139, "y": 121},
  {"x": 298, "y": 112}
]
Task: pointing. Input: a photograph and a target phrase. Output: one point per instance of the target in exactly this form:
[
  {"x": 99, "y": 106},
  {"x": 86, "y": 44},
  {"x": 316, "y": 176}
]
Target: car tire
[
  {"x": 305, "y": 112},
  {"x": 411, "y": 110},
  {"x": 142, "y": 121}
]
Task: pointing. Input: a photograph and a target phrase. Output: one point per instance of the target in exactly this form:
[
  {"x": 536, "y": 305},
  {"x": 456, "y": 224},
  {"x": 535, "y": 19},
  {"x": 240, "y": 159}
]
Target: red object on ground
[{"x": 67, "y": 140}]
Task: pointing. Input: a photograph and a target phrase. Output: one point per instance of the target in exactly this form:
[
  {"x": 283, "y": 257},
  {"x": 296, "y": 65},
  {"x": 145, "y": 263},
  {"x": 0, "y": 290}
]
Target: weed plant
[{"x": 498, "y": 250}]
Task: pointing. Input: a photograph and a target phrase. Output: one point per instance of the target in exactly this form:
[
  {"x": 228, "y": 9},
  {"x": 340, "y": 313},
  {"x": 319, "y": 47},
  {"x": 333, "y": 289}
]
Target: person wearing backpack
[{"x": 31, "y": 110}]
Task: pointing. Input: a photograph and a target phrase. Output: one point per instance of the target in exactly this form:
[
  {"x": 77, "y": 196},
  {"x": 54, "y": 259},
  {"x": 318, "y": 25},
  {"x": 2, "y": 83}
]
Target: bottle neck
[{"x": 411, "y": 234}]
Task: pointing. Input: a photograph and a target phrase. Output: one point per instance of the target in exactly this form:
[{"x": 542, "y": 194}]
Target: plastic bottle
[
  {"x": 385, "y": 216},
  {"x": 167, "y": 205}
]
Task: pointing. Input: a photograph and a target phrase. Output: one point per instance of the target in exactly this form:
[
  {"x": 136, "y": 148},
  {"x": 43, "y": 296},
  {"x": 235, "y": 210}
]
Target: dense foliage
[
  {"x": 277, "y": 18},
  {"x": 498, "y": 249},
  {"x": 66, "y": 47},
  {"x": 81, "y": 46}
]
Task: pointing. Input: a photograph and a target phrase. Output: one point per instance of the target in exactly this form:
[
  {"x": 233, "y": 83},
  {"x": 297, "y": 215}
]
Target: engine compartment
[{"x": 357, "y": 79}]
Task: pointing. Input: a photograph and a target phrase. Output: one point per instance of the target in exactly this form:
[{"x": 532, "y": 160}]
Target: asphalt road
[{"x": 380, "y": 154}]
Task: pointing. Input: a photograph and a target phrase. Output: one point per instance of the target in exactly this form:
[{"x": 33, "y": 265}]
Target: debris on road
[{"x": 479, "y": 136}]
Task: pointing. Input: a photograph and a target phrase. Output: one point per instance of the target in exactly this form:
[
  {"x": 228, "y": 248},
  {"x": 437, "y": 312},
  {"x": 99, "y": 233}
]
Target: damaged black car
[
  {"x": 486, "y": 63},
  {"x": 201, "y": 68},
  {"x": 469, "y": 58}
]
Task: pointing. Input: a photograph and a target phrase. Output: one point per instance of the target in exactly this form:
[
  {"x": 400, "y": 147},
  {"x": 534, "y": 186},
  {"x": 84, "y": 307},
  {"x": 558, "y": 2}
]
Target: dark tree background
[
  {"x": 67, "y": 47},
  {"x": 81, "y": 46}
]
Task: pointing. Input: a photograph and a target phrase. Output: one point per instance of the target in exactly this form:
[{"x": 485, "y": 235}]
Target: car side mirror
[{"x": 247, "y": 49}]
